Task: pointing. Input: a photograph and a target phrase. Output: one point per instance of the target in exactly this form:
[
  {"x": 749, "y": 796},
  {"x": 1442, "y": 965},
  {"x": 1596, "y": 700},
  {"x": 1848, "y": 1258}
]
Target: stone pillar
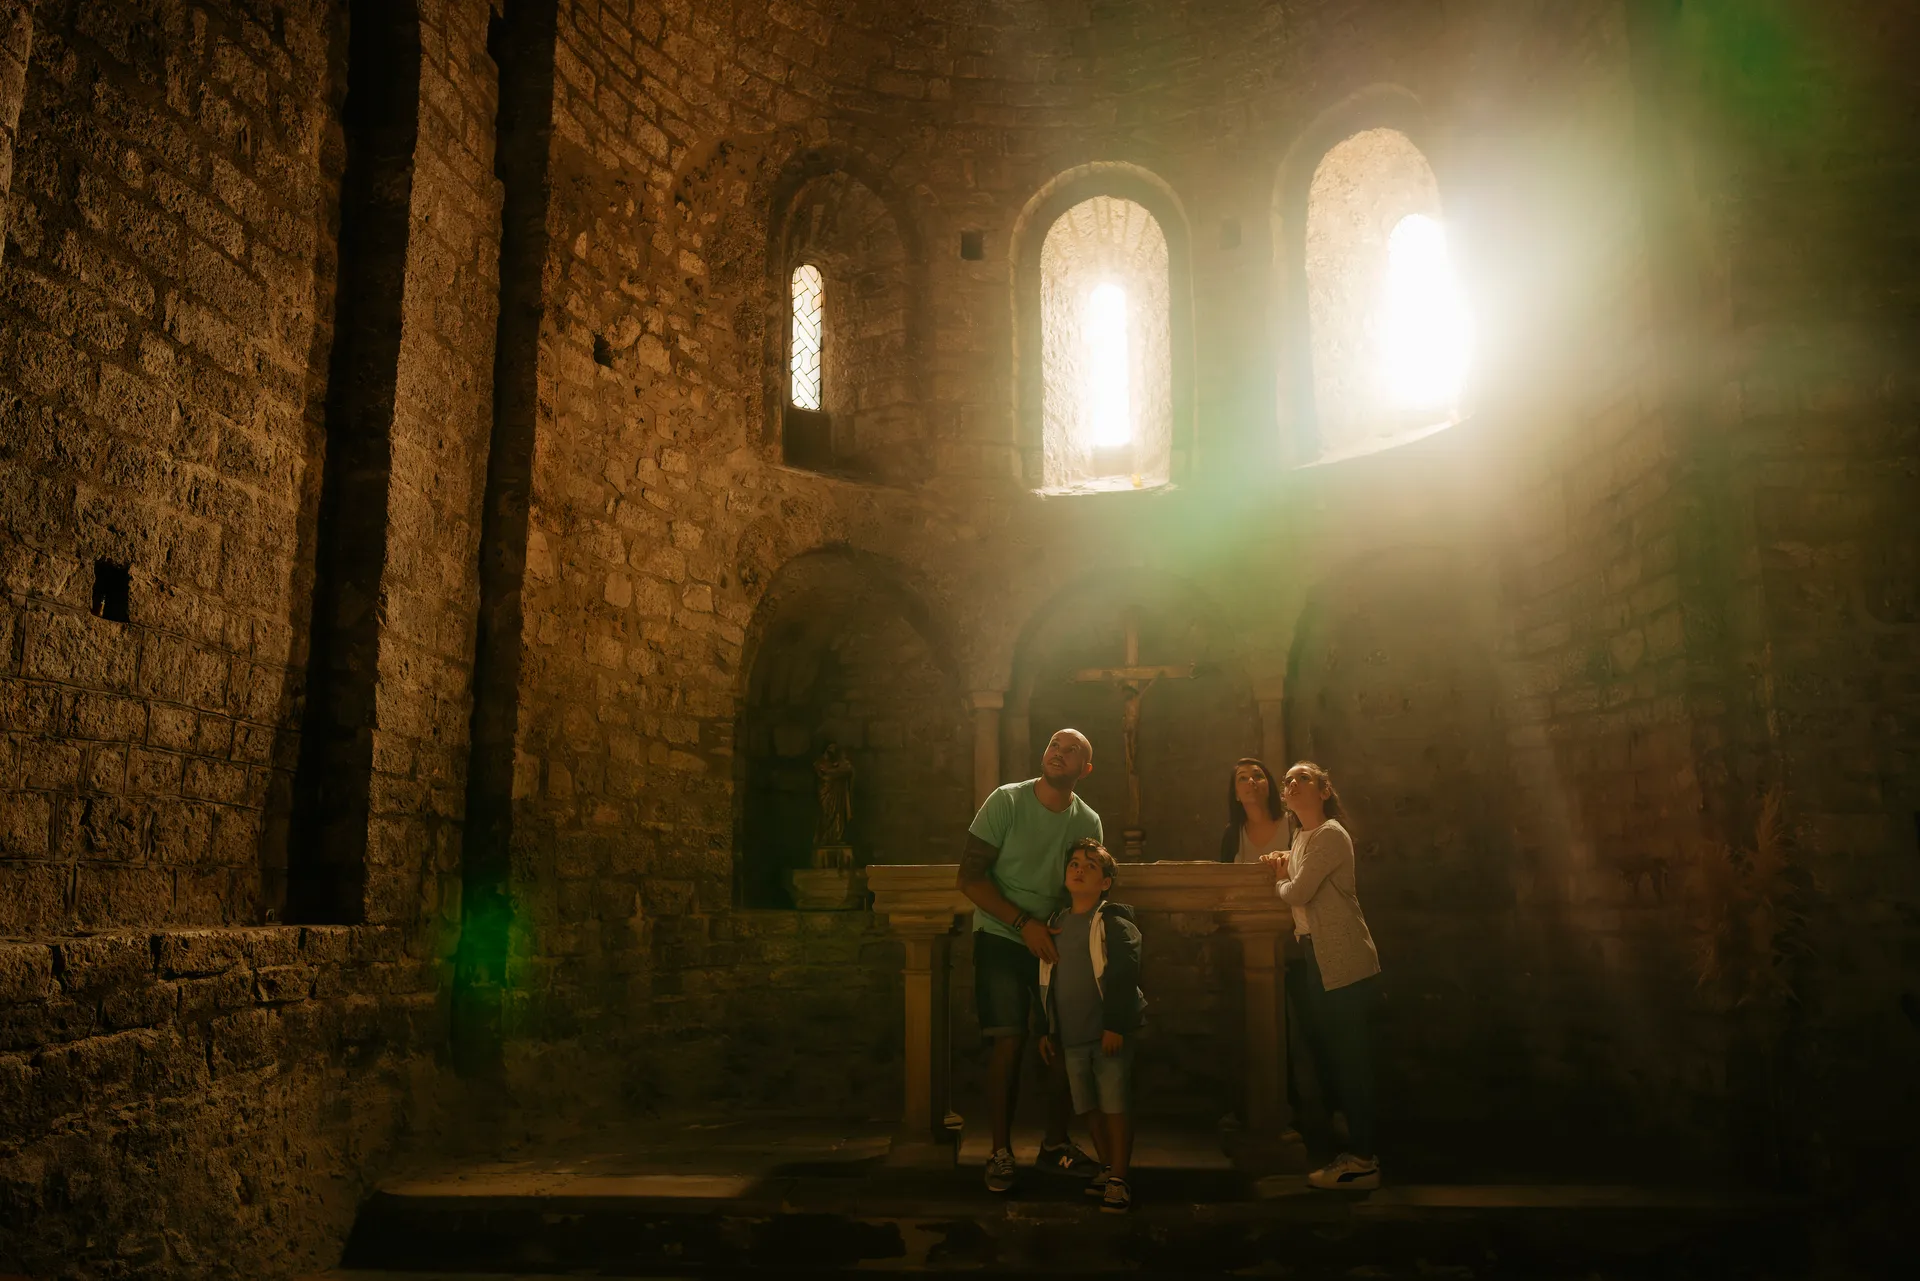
[
  {"x": 1273, "y": 732},
  {"x": 16, "y": 42},
  {"x": 986, "y": 742},
  {"x": 924, "y": 1137},
  {"x": 1264, "y": 966}
]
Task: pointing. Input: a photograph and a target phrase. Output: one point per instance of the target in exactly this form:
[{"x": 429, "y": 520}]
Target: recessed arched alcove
[
  {"x": 1392, "y": 687},
  {"x": 844, "y": 652},
  {"x": 1191, "y": 729},
  {"x": 1103, "y": 332},
  {"x": 844, "y": 328}
]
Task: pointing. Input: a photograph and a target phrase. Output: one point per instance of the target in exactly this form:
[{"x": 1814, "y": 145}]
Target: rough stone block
[
  {"x": 144, "y": 1005},
  {"x": 102, "y": 961},
  {"x": 279, "y": 984},
  {"x": 243, "y": 1040},
  {"x": 202, "y": 998},
  {"x": 194, "y": 952},
  {"x": 26, "y": 972}
]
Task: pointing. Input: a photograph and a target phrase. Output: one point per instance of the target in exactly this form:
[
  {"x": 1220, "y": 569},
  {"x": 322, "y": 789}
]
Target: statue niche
[
  {"x": 854, "y": 746},
  {"x": 830, "y": 883}
]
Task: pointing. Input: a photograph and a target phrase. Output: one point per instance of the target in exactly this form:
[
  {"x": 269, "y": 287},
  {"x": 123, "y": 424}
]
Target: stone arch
[
  {"x": 1331, "y": 233},
  {"x": 834, "y": 208},
  {"x": 843, "y": 648},
  {"x": 1393, "y": 686},
  {"x": 1116, "y": 181},
  {"x": 1188, "y": 727}
]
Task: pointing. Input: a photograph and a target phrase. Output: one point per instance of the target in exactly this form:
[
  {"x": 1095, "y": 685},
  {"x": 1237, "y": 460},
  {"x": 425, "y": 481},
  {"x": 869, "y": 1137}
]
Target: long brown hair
[
  {"x": 1319, "y": 777},
  {"x": 1236, "y": 813}
]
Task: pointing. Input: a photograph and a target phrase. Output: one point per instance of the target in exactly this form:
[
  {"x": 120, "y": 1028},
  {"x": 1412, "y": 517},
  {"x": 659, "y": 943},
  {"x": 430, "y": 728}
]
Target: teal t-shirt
[{"x": 1033, "y": 842}]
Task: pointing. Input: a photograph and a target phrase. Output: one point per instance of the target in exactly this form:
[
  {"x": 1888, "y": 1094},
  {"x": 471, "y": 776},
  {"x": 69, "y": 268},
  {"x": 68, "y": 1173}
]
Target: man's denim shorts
[
  {"x": 1006, "y": 984},
  {"x": 1100, "y": 1081}
]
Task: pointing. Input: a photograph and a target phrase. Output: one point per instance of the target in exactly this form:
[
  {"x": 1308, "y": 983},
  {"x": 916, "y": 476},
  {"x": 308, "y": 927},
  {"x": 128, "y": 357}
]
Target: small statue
[
  {"x": 834, "y": 786},
  {"x": 831, "y": 884}
]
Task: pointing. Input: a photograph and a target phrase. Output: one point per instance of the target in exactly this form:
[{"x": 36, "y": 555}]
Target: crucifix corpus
[{"x": 1133, "y": 681}]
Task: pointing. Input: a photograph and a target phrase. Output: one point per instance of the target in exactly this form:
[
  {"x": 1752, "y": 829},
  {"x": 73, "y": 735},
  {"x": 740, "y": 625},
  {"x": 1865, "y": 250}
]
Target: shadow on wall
[
  {"x": 845, "y": 653},
  {"x": 1392, "y": 687}
]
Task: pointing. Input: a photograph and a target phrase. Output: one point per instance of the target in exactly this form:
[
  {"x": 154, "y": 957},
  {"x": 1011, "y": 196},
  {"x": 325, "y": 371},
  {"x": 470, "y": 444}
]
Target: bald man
[{"x": 1014, "y": 870}]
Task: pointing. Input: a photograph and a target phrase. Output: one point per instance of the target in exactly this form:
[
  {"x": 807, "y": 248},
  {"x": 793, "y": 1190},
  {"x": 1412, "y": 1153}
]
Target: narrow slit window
[
  {"x": 1106, "y": 400},
  {"x": 1429, "y": 336},
  {"x": 809, "y": 299},
  {"x": 1106, "y": 349}
]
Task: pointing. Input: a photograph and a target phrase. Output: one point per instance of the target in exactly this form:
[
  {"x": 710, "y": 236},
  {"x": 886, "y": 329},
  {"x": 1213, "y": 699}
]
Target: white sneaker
[
  {"x": 1347, "y": 1173},
  {"x": 1000, "y": 1171}
]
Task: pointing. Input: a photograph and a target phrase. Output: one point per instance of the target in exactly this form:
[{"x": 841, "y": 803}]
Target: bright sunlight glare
[
  {"x": 1429, "y": 335},
  {"x": 1104, "y": 365}
]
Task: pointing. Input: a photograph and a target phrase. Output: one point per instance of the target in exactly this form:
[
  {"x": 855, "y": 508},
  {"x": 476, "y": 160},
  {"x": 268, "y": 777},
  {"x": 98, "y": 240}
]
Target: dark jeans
[{"x": 1339, "y": 1031}]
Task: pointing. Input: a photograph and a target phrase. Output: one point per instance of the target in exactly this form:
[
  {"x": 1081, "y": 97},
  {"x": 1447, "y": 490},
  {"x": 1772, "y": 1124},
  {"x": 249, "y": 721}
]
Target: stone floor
[{"x": 784, "y": 1195}]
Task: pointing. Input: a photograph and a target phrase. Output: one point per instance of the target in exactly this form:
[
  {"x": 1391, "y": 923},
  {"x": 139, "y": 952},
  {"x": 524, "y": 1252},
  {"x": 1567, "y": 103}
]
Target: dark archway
[
  {"x": 1392, "y": 687},
  {"x": 1191, "y": 731},
  {"x": 843, "y": 651}
]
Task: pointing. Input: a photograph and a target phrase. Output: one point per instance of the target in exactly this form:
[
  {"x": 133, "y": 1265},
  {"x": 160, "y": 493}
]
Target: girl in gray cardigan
[{"x": 1335, "y": 986}]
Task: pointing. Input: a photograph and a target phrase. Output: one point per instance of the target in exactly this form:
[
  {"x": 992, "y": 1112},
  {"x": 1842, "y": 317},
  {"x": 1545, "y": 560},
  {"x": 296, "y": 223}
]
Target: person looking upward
[
  {"x": 1336, "y": 984},
  {"x": 1256, "y": 816},
  {"x": 1014, "y": 871}
]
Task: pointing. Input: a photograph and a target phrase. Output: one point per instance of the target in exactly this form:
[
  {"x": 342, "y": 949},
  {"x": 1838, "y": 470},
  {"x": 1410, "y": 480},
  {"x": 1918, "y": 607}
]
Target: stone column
[
  {"x": 986, "y": 741},
  {"x": 1273, "y": 731},
  {"x": 1264, "y": 966},
  {"x": 16, "y": 42},
  {"x": 924, "y": 1138}
]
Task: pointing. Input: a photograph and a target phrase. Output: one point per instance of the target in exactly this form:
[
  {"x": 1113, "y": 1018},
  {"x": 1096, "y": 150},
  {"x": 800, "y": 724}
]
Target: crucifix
[{"x": 1133, "y": 680}]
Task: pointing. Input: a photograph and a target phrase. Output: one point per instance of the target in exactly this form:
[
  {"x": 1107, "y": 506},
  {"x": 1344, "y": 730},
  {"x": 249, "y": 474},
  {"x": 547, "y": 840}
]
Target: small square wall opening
[
  {"x": 973, "y": 245},
  {"x": 112, "y": 586}
]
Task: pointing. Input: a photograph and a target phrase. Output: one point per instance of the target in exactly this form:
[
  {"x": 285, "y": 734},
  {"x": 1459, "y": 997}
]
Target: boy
[{"x": 1094, "y": 1007}]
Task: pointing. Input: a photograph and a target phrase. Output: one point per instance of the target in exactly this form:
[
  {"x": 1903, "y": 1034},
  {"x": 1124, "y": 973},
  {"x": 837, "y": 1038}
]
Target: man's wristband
[{"x": 1019, "y": 922}]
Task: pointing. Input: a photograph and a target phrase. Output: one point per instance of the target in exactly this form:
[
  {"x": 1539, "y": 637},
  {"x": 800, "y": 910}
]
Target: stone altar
[{"x": 924, "y": 908}]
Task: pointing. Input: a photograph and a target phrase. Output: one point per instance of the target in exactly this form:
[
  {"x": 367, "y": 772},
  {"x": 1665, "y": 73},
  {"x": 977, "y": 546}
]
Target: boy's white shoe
[
  {"x": 1347, "y": 1173},
  {"x": 1097, "y": 1186}
]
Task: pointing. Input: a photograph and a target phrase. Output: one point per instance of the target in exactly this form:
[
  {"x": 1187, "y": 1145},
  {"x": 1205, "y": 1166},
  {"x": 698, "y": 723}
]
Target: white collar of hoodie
[{"x": 1096, "y": 943}]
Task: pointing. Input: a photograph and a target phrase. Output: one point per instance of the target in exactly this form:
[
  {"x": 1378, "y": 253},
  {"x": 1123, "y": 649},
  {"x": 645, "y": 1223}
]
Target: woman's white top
[{"x": 1279, "y": 843}]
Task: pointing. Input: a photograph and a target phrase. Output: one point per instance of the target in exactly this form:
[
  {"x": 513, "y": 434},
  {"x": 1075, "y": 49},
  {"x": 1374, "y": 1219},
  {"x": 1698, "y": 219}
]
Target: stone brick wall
[
  {"x": 1782, "y": 171},
  {"x": 1552, "y": 654},
  {"x": 658, "y": 518},
  {"x": 202, "y": 1102},
  {"x": 164, "y": 304},
  {"x": 205, "y": 1101},
  {"x": 16, "y": 44}
]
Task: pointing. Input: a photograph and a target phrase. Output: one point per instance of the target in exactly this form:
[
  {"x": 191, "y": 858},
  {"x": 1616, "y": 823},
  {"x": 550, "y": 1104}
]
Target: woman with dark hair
[
  {"x": 1256, "y": 816},
  {"x": 1334, "y": 985}
]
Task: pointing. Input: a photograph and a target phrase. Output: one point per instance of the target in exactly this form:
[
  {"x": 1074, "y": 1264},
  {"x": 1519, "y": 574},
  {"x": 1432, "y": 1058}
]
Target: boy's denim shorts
[{"x": 1100, "y": 1081}]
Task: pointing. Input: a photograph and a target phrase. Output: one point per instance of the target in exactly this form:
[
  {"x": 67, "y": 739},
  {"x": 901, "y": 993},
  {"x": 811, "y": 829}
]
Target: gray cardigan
[{"x": 1320, "y": 883}]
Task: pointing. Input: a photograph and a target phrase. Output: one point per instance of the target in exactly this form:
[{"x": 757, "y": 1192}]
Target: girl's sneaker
[
  {"x": 1118, "y": 1199},
  {"x": 1347, "y": 1173},
  {"x": 1098, "y": 1185}
]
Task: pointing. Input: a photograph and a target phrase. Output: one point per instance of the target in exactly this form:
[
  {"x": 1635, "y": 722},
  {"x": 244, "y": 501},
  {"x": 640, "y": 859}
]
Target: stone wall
[
  {"x": 1553, "y": 655},
  {"x": 216, "y": 1100},
  {"x": 203, "y": 1102},
  {"x": 659, "y": 513}
]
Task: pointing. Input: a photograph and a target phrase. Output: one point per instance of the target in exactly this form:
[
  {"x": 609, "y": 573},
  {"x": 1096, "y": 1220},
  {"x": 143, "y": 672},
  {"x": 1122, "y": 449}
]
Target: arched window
[
  {"x": 805, "y": 341},
  {"x": 843, "y": 333},
  {"x": 1391, "y": 336},
  {"x": 1106, "y": 348},
  {"x": 1103, "y": 332}
]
